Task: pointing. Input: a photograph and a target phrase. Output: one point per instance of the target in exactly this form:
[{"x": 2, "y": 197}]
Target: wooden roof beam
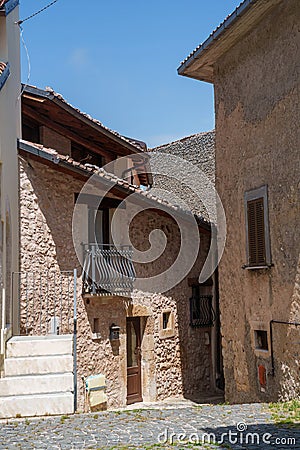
[{"x": 43, "y": 120}]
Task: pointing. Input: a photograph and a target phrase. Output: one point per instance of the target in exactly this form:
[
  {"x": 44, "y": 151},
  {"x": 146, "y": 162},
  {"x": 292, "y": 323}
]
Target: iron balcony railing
[
  {"x": 202, "y": 313},
  {"x": 108, "y": 270}
]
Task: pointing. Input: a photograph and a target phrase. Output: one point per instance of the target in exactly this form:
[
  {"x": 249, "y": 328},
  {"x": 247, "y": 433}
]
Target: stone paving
[{"x": 180, "y": 425}]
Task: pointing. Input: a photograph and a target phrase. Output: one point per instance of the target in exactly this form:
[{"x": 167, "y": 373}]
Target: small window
[
  {"x": 166, "y": 324},
  {"x": 96, "y": 335},
  {"x": 201, "y": 309},
  {"x": 166, "y": 320},
  {"x": 257, "y": 228},
  {"x": 261, "y": 339},
  {"x": 96, "y": 325}
]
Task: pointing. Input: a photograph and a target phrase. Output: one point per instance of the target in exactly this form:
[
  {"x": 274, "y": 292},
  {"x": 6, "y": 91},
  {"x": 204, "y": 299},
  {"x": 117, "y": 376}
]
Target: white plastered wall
[{"x": 10, "y": 130}]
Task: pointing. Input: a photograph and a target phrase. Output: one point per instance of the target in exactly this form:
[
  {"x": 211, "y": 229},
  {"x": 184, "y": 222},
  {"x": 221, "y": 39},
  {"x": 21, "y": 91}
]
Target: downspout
[
  {"x": 296, "y": 324},
  {"x": 75, "y": 340}
]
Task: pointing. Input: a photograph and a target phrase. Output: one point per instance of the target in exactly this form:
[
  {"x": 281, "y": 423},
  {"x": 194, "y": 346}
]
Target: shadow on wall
[
  {"x": 198, "y": 344},
  {"x": 195, "y": 349},
  {"x": 51, "y": 227}
]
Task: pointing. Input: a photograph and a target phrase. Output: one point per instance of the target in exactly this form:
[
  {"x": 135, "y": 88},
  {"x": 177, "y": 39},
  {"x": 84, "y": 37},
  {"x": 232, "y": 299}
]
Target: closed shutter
[{"x": 256, "y": 232}]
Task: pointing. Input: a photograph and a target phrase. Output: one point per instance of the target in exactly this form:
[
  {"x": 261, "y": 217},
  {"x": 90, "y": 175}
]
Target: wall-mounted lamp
[{"x": 114, "y": 332}]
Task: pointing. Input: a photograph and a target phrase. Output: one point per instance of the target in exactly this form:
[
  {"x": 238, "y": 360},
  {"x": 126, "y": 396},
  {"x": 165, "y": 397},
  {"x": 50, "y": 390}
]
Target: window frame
[{"x": 255, "y": 194}]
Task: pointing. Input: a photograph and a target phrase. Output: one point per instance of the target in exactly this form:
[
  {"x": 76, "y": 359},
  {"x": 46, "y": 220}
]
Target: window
[
  {"x": 261, "y": 339},
  {"x": 201, "y": 310},
  {"x": 30, "y": 130},
  {"x": 96, "y": 329},
  {"x": 167, "y": 324},
  {"x": 257, "y": 229},
  {"x": 96, "y": 325},
  {"x": 99, "y": 226},
  {"x": 166, "y": 320}
]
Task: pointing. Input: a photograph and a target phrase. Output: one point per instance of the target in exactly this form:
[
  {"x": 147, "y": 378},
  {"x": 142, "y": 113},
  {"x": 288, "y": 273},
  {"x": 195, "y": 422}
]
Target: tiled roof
[
  {"x": 138, "y": 144},
  {"x": 200, "y": 63},
  {"x": 216, "y": 30},
  {"x": 6, "y": 6},
  {"x": 187, "y": 156},
  {"x": 90, "y": 170},
  {"x": 181, "y": 140},
  {"x": 2, "y": 67}
]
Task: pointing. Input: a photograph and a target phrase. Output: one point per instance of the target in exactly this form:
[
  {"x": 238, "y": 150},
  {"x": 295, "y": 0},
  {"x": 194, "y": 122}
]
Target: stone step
[
  {"x": 36, "y": 405},
  {"x": 38, "y": 365},
  {"x": 22, "y": 346},
  {"x": 37, "y": 384}
]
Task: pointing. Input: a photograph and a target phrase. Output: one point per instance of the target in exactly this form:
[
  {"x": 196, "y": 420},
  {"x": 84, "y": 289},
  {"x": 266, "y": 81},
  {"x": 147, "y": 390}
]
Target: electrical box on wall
[{"x": 114, "y": 332}]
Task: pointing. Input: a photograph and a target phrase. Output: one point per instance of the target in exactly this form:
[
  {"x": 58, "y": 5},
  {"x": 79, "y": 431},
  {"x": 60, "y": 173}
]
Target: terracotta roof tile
[
  {"x": 2, "y": 67},
  {"x": 110, "y": 177},
  {"x": 214, "y": 32},
  {"x": 138, "y": 144}
]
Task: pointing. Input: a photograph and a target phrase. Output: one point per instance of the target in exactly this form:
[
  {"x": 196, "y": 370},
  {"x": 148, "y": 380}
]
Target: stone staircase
[{"x": 38, "y": 376}]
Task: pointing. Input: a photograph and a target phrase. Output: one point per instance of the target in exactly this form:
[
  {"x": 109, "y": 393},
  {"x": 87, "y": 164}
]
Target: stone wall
[
  {"x": 178, "y": 363},
  {"x": 257, "y": 143}
]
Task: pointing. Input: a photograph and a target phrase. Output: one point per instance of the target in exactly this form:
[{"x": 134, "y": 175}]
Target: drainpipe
[
  {"x": 296, "y": 324},
  {"x": 2, "y": 337},
  {"x": 75, "y": 340}
]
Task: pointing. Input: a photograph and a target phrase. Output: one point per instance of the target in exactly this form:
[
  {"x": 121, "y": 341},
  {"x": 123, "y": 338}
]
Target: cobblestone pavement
[{"x": 177, "y": 426}]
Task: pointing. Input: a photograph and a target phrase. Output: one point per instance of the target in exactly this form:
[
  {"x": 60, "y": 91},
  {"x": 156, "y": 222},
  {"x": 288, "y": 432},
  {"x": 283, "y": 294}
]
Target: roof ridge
[{"x": 202, "y": 133}]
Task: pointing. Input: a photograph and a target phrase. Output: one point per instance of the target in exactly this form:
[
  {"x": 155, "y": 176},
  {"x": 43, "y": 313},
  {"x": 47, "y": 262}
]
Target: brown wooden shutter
[{"x": 256, "y": 232}]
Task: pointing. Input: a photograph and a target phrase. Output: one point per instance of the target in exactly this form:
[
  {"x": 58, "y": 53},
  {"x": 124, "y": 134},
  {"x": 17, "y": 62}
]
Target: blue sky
[{"x": 117, "y": 60}]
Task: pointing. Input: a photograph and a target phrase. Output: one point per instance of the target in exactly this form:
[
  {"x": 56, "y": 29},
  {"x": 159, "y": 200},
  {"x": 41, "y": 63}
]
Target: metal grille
[
  {"x": 108, "y": 270},
  {"x": 47, "y": 301},
  {"x": 201, "y": 311},
  {"x": 256, "y": 232}
]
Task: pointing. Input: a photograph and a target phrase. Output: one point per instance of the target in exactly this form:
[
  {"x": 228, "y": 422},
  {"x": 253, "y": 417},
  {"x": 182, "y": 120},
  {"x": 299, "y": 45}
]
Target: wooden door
[{"x": 134, "y": 383}]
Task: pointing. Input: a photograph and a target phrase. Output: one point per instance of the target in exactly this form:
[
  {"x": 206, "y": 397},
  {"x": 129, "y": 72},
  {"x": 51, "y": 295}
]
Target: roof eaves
[
  {"x": 133, "y": 145},
  {"x": 110, "y": 179},
  {"x": 4, "y": 73},
  {"x": 7, "y": 6},
  {"x": 216, "y": 34}
]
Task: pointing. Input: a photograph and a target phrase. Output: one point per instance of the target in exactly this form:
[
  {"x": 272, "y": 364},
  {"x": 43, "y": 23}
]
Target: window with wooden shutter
[
  {"x": 256, "y": 232},
  {"x": 257, "y": 229}
]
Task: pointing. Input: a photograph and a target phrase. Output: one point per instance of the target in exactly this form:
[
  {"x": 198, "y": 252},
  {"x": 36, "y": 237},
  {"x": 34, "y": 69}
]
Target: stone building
[
  {"x": 143, "y": 320},
  {"x": 252, "y": 59},
  {"x": 183, "y": 185},
  {"x": 10, "y": 130}
]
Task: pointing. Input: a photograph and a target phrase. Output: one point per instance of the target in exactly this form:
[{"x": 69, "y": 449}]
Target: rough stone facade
[
  {"x": 257, "y": 143},
  {"x": 174, "y": 363},
  {"x": 183, "y": 186}
]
